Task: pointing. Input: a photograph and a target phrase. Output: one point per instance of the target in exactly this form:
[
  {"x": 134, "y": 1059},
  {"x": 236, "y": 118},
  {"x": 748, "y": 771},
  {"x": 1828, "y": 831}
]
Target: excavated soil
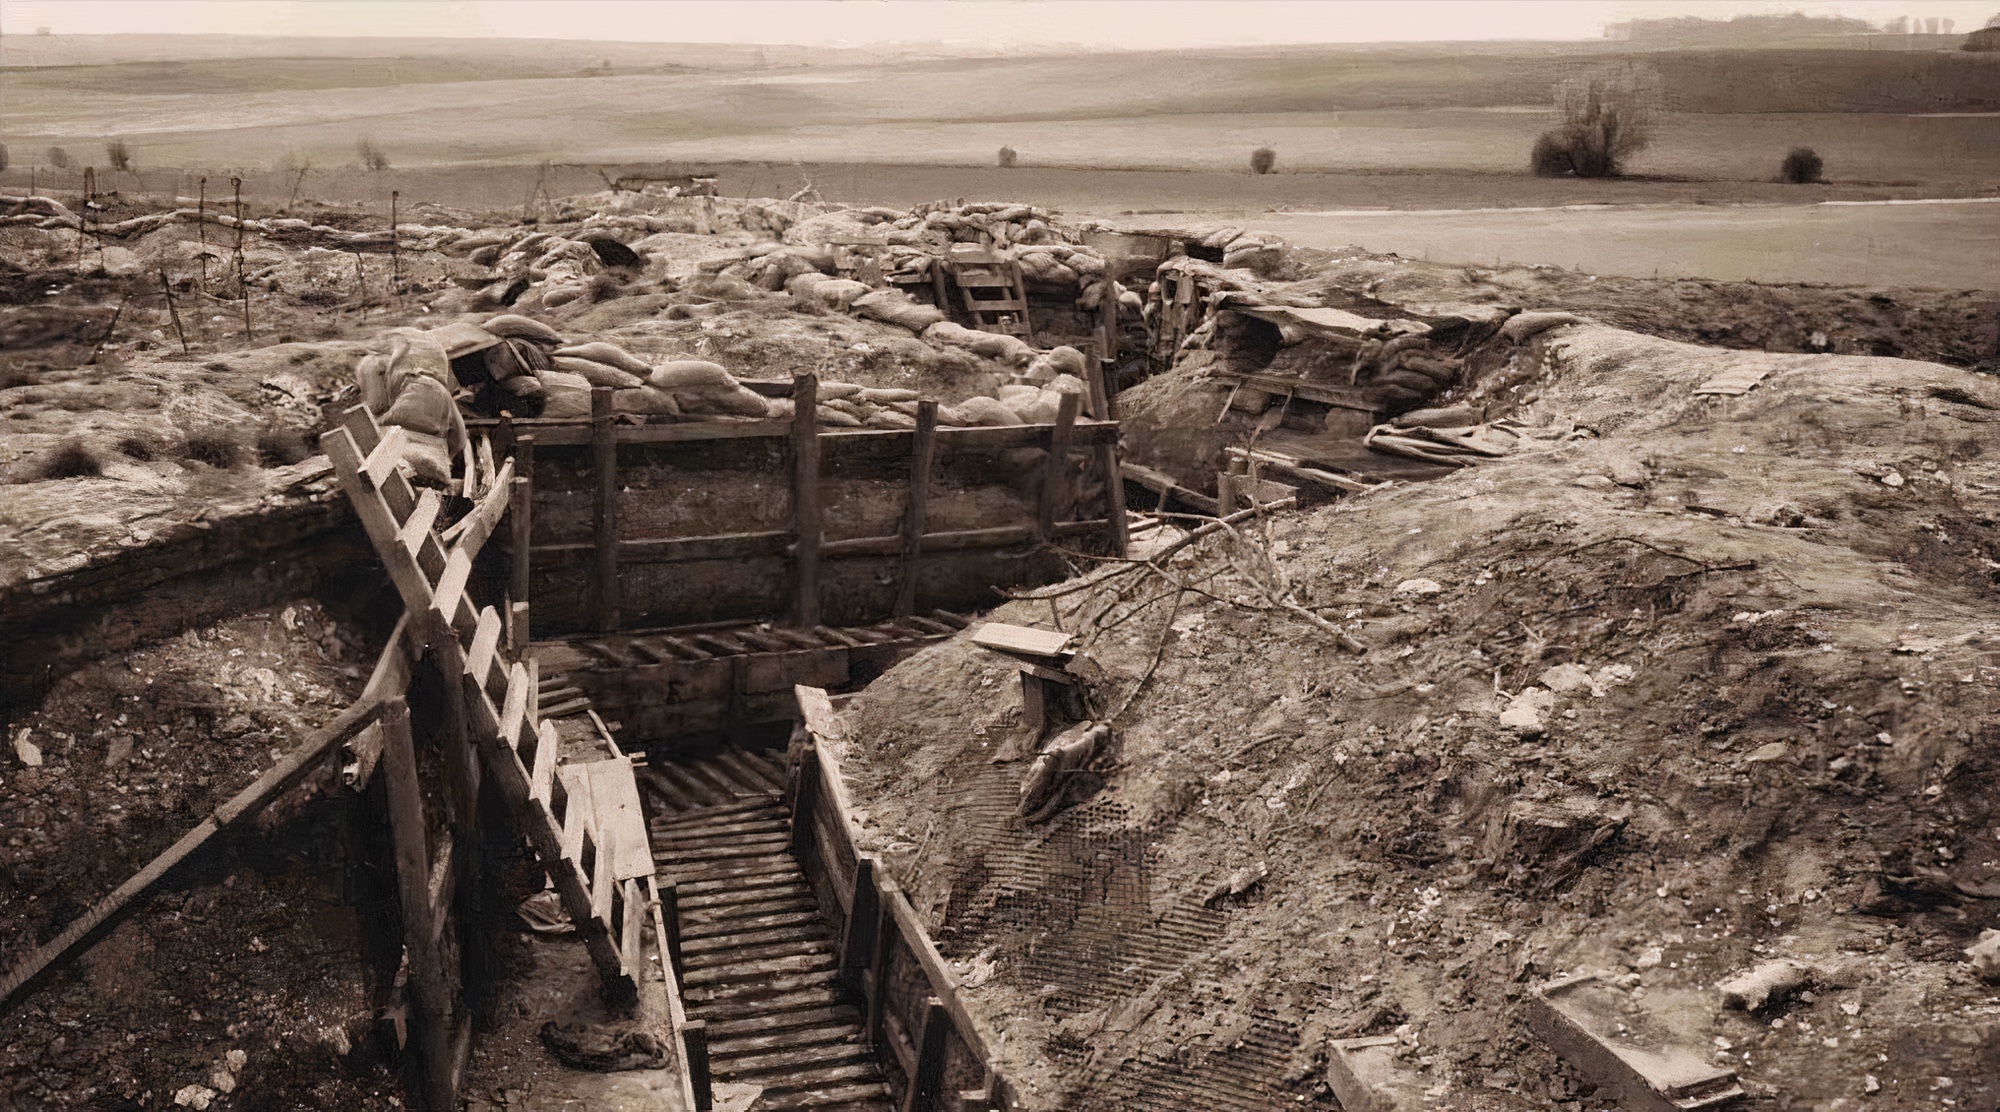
[{"x": 1755, "y": 642}]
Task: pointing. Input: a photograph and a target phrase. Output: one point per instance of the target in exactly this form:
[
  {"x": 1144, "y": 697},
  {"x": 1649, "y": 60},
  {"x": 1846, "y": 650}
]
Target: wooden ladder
[
  {"x": 995, "y": 296},
  {"x": 584, "y": 824}
]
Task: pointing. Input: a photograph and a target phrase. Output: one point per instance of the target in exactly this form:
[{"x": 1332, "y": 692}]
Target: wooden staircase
[{"x": 757, "y": 960}]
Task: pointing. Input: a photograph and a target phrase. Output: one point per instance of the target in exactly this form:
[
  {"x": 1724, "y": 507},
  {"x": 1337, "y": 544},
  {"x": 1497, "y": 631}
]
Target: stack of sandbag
[
  {"x": 847, "y": 405},
  {"x": 408, "y": 383},
  {"x": 999, "y": 223},
  {"x": 892, "y": 306},
  {"x": 1011, "y": 350},
  {"x": 699, "y": 388},
  {"x": 837, "y": 294}
]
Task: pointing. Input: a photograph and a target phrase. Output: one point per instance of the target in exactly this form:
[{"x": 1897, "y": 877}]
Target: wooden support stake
[
  {"x": 604, "y": 457},
  {"x": 1101, "y": 407},
  {"x": 805, "y": 500},
  {"x": 857, "y": 948},
  {"x": 395, "y": 252},
  {"x": 201, "y": 215},
  {"x": 109, "y": 331},
  {"x": 695, "y": 1035},
  {"x": 805, "y": 800},
  {"x": 923, "y": 449},
  {"x": 1055, "y": 473},
  {"x": 927, "y": 1087},
  {"x": 523, "y": 524},
  {"x": 670, "y": 917},
  {"x": 168, "y": 289}
]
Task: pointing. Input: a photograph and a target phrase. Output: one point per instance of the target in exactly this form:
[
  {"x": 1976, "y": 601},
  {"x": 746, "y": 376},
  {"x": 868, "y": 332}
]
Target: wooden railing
[
  {"x": 889, "y": 968},
  {"x": 803, "y": 543}
]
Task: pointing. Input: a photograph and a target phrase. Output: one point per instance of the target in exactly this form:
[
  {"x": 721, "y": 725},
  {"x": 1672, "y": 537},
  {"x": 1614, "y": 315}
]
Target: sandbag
[
  {"x": 886, "y": 395},
  {"x": 1061, "y": 361},
  {"x": 890, "y": 419},
  {"x": 1068, "y": 384},
  {"x": 425, "y": 458},
  {"x": 415, "y": 351},
  {"x": 1011, "y": 350},
  {"x": 983, "y": 411},
  {"x": 1437, "y": 370},
  {"x": 1041, "y": 411},
  {"x": 611, "y": 355},
  {"x": 598, "y": 374},
  {"x": 514, "y": 324},
  {"x": 851, "y": 406},
  {"x": 895, "y": 307},
  {"x": 645, "y": 399},
  {"x": 692, "y": 375},
  {"x": 1451, "y": 417},
  {"x": 1523, "y": 326},
  {"x": 828, "y": 416},
  {"x": 502, "y": 365},
  {"x": 1014, "y": 395},
  {"x": 739, "y": 402},
  {"x": 829, "y": 390},
  {"x": 424, "y": 405},
  {"x": 523, "y": 386}
]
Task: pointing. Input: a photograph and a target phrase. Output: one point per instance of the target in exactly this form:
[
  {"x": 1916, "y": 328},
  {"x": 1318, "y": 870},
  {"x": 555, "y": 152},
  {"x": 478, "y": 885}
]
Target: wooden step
[
  {"x": 821, "y": 1077},
  {"x": 795, "y": 1038},
  {"x": 761, "y": 975},
  {"x": 782, "y": 1021},
  {"x": 745, "y": 1008},
  {"x": 764, "y": 986},
  {"x": 755, "y": 909},
  {"x": 724, "y": 886},
  {"x": 749, "y": 773},
  {"x": 697, "y": 871},
  {"x": 681, "y": 835},
  {"x": 672, "y": 795},
  {"x": 691, "y": 931},
  {"x": 751, "y": 810},
  {"x": 785, "y": 1061},
  {"x": 736, "y": 955},
  {"x": 845, "y": 1098},
  {"x": 809, "y": 935},
  {"x": 714, "y": 774},
  {"x": 706, "y": 795},
  {"x": 724, "y": 893},
  {"x": 763, "y": 845},
  {"x": 773, "y": 769}
]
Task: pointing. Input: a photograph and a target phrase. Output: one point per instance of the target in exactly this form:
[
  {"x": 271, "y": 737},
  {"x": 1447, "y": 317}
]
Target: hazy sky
[{"x": 1128, "y": 23}]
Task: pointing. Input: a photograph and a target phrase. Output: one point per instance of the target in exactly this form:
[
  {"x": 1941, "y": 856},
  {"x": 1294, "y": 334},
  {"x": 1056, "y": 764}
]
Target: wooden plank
[
  {"x": 927, "y": 1083},
  {"x": 514, "y": 712},
  {"x": 577, "y": 812},
  {"x": 523, "y": 523},
  {"x": 632, "y": 934},
  {"x": 1359, "y": 398},
  {"x": 916, "y": 509},
  {"x": 482, "y": 663},
  {"x": 541, "y": 780},
  {"x": 604, "y": 460},
  {"x": 621, "y": 818},
  {"x": 667, "y": 550},
  {"x": 1117, "y": 532},
  {"x": 1021, "y": 639},
  {"x": 943, "y": 984},
  {"x": 817, "y": 710},
  {"x": 381, "y": 462},
  {"x": 378, "y": 520},
  {"x": 472, "y": 531},
  {"x": 451, "y": 585},
  {"x": 407, "y": 830},
  {"x": 569, "y": 433},
  {"x": 1163, "y": 483},
  {"x": 805, "y": 501},
  {"x": 438, "y": 884},
  {"x": 1055, "y": 493},
  {"x": 417, "y": 529}
]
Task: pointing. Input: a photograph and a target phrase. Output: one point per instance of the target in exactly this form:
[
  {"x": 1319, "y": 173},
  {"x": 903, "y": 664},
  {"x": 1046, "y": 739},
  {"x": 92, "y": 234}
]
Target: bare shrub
[
  {"x": 372, "y": 157},
  {"x": 70, "y": 460},
  {"x": 137, "y": 446},
  {"x": 1009, "y": 156},
  {"x": 1604, "y": 115},
  {"x": 1801, "y": 166},
  {"x": 281, "y": 445},
  {"x": 218, "y": 448},
  {"x": 59, "y": 158},
  {"x": 119, "y": 155},
  {"x": 1263, "y": 160}
]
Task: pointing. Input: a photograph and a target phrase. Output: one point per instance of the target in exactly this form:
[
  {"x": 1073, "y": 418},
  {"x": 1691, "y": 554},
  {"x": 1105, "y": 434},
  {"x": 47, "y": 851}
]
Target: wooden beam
[
  {"x": 694, "y": 1035},
  {"x": 998, "y": 438},
  {"x": 1116, "y": 531},
  {"x": 671, "y": 550},
  {"x": 1025, "y": 640},
  {"x": 923, "y": 448},
  {"x": 523, "y": 495},
  {"x": 1001, "y": 536},
  {"x": 1055, "y": 472},
  {"x": 927, "y": 1086},
  {"x": 805, "y": 501},
  {"x": 604, "y": 459},
  {"x": 857, "y": 946},
  {"x": 471, "y": 531}
]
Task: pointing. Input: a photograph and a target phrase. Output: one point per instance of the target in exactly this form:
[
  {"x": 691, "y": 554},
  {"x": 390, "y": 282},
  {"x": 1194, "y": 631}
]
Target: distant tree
[
  {"x": 1605, "y": 115},
  {"x": 3, "y": 158},
  {"x": 1263, "y": 160},
  {"x": 1801, "y": 166},
  {"x": 1897, "y": 26},
  {"x": 59, "y": 158},
  {"x": 372, "y": 156},
  {"x": 119, "y": 155},
  {"x": 1009, "y": 156},
  {"x": 1994, "y": 21}
]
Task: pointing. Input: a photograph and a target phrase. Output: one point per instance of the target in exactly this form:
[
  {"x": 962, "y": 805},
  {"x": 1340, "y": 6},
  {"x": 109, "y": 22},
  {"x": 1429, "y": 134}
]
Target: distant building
[{"x": 1986, "y": 38}]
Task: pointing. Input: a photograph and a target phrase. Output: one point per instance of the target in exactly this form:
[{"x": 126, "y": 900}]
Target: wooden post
[
  {"x": 857, "y": 948},
  {"x": 168, "y": 289},
  {"x": 201, "y": 215},
  {"x": 804, "y": 802},
  {"x": 873, "y": 978},
  {"x": 604, "y": 457},
  {"x": 523, "y": 510},
  {"x": 395, "y": 252},
  {"x": 1034, "y": 703},
  {"x": 413, "y": 884},
  {"x": 927, "y": 1087},
  {"x": 670, "y": 918},
  {"x": 805, "y": 500},
  {"x": 1055, "y": 473},
  {"x": 923, "y": 448},
  {"x": 695, "y": 1034},
  {"x": 1101, "y": 407}
]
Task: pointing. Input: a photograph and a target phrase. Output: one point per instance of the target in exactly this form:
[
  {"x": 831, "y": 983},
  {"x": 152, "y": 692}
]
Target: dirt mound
[{"x": 1697, "y": 683}]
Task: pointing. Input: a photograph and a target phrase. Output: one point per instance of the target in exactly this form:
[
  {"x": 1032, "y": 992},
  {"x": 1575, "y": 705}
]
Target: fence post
[
  {"x": 857, "y": 949},
  {"x": 670, "y": 918},
  {"x": 604, "y": 458},
  {"x": 804, "y": 802},
  {"x": 694, "y": 1034},
  {"x": 805, "y": 499},
  {"x": 922, "y": 449},
  {"x": 1055, "y": 473},
  {"x": 1102, "y": 408},
  {"x": 927, "y": 1087}
]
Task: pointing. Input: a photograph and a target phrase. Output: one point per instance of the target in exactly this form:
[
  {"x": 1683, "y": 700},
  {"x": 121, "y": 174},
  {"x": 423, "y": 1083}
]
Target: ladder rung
[
  {"x": 422, "y": 519},
  {"x": 381, "y": 462},
  {"x": 514, "y": 715},
  {"x": 485, "y": 644},
  {"x": 546, "y": 744},
  {"x": 451, "y": 585}
]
